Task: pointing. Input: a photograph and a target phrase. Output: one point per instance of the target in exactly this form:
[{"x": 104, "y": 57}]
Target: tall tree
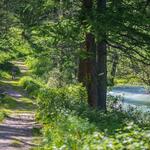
[
  {"x": 94, "y": 73},
  {"x": 87, "y": 67},
  {"x": 101, "y": 58}
]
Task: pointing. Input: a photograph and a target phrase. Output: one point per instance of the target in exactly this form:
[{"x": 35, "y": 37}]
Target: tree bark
[
  {"x": 101, "y": 61},
  {"x": 87, "y": 67},
  {"x": 91, "y": 70},
  {"x": 82, "y": 71},
  {"x": 114, "y": 67},
  {"x": 102, "y": 74}
]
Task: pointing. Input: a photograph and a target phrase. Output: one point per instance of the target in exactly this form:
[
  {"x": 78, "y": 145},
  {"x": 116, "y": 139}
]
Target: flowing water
[{"x": 136, "y": 96}]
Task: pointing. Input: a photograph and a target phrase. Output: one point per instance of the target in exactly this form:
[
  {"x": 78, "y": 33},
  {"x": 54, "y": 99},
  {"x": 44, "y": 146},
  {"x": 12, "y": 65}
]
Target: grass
[
  {"x": 37, "y": 136},
  {"x": 22, "y": 104},
  {"x": 68, "y": 123},
  {"x": 5, "y": 75},
  {"x": 16, "y": 143},
  {"x": 10, "y": 104},
  {"x": 2, "y": 115},
  {"x": 129, "y": 81}
]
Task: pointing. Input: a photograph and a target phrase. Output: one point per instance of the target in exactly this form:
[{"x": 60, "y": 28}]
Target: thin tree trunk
[
  {"x": 114, "y": 67},
  {"x": 82, "y": 71}
]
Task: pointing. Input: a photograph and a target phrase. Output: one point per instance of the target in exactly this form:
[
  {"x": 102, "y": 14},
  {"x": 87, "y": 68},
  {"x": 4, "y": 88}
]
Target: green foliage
[
  {"x": 53, "y": 101},
  {"x": 31, "y": 85},
  {"x": 5, "y": 75},
  {"x": 4, "y": 56},
  {"x": 52, "y": 34},
  {"x": 2, "y": 115},
  {"x": 70, "y": 124},
  {"x": 127, "y": 80},
  {"x": 75, "y": 132},
  {"x": 7, "y": 67},
  {"x": 39, "y": 66}
]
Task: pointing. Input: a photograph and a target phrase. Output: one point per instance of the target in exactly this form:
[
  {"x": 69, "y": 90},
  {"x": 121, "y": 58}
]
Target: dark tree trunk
[
  {"x": 102, "y": 74},
  {"x": 87, "y": 67},
  {"x": 91, "y": 70},
  {"x": 101, "y": 60},
  {"x": 114, "y": 67},
  {"x": 82, "y": 72}
]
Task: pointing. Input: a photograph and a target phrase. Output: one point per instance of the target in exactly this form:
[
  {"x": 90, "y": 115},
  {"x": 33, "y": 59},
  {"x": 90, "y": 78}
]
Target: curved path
[{"x": 16, "y": 131}]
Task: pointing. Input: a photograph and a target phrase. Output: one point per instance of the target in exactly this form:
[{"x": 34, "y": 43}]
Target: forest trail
[{"x": 16, "y": 130}]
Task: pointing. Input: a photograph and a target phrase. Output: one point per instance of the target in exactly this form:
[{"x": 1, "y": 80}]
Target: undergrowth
[
  {"x": 69, "y": 124},
  {"x": 2, "y": 116}
]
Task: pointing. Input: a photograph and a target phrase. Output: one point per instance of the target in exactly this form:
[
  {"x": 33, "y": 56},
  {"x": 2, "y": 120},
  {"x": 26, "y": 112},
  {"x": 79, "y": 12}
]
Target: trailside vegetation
[{"x": 75, "y": 51}]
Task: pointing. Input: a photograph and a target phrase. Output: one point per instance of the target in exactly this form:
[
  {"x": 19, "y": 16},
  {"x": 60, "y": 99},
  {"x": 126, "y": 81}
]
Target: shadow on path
[{"x": 16, "y": 131}]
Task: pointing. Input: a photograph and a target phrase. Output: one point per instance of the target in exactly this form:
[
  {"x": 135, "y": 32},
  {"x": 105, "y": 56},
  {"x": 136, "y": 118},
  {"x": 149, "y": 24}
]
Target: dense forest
[{"x": 75, "y": 52}]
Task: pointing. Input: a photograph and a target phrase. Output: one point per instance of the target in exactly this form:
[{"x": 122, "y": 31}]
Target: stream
[{"x": 136, "y": 96}]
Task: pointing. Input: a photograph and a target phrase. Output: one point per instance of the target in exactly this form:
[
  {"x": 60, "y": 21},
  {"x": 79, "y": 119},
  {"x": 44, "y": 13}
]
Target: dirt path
[{"x": 16, "y": 131}]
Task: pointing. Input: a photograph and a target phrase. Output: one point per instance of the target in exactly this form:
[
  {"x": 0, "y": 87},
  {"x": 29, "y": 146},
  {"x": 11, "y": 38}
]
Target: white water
[{"x": 136, "y": 96}]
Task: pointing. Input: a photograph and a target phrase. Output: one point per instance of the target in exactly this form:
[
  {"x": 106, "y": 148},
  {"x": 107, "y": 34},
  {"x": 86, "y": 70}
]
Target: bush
[
  {"x": 31, "y": 85},
  {"x": 68, "y": 122},
  {"x": 109, "y": 131},
  {"x": 76, "y": 133},
  {"x": 53, "y": 101}
]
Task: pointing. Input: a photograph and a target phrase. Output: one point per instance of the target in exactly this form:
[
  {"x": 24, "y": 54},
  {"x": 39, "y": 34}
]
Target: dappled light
[{"x": 74, "y": 75}]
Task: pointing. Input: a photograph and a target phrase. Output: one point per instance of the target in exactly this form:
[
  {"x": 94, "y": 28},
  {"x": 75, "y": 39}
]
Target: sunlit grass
[
  {"x": 2, "y": 115},
  {"x": 127, "y": 81},
  {"x": 16, "y": 143},
  {"x": 10, "y": 105},
  {"x": 5, "y": 75}
]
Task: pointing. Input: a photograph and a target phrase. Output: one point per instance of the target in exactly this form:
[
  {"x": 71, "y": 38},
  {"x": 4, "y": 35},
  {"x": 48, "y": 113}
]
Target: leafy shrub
[
  {"x": 71, "y": 131},
  {"x": 31, "y": 85},
  {"x": 68, "y": 122},
  {"x": 52, "y": 101},
  {"x": 40, "y": 65}
]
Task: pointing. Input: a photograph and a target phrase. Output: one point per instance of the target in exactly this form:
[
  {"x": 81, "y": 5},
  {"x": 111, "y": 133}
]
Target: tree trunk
[
  {"x": 102, "y": 74},
  {"x": 87, "y": 67},
  {"x": 101, "y": 61},
  {"x": 91, "y": 70},
  {"x": 82, "y": 71},
  {"x": 114, "y": 67}
]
